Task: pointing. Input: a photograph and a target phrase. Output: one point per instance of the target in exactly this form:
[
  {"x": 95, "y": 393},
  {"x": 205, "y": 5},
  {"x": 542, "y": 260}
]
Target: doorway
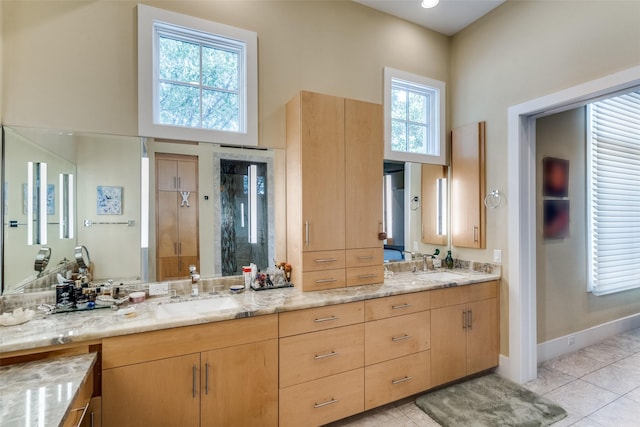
[{"x": 521, "y": 365}]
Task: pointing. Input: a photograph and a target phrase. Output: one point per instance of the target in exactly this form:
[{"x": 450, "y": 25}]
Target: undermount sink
[
  {"x": 442, "y": 276},
  {"x": 197, "y": 307}
]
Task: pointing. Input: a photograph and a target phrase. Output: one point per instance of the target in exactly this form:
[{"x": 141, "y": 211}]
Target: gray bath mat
[{"x": 489, "y": 401}]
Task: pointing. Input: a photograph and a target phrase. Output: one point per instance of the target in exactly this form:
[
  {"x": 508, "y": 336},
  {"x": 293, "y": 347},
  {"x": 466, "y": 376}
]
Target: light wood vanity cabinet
[
  {"x": 464, "y": 331},
  {"x": 334, "y": 201},
  {"x": 468, "y": 186},
  {"x": 224, "y": 373},
  {"x": 397, "y": 342}
]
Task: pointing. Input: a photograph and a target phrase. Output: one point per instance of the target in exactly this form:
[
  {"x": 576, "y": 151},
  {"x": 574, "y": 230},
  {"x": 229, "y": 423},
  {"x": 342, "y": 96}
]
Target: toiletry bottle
[{"x": 449, "y": 260}]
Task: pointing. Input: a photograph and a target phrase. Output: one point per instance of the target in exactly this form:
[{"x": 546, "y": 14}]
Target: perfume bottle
[{"x": 449, "y": 260}]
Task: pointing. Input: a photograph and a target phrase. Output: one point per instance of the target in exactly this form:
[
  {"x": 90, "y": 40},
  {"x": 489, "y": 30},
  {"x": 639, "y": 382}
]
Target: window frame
[
  {"x": 438, "y": 112},
  {"x": 148, "y": 79}
]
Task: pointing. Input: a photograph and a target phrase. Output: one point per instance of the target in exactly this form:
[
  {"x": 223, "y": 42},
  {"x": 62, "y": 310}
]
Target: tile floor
[{"x": 598, "y": 386}]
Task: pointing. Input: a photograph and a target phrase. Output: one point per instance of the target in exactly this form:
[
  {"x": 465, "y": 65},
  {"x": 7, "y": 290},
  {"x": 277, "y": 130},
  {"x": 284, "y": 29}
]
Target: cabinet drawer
[
  {"x": 78, "y": 408},
  {"x": 323, "y": 260},
  {"x": 321, "y": 401},
  {"x": 319, "y": 354},
  {"x": 395, "y": 379},
  {"x": 397, "y": 305},
  {"x": 463, "y": 294},
  {"x": 357, "y": 276},
  {"x": 320, "y": 318},
  {"x": 365, "y": 257},
  {"x": 325, "y": 279},
  {"x": 397, "y": 336}
]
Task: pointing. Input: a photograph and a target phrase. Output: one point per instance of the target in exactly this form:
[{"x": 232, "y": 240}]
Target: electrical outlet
[
  {"x": 158, "y": 289},
  {"x": 497, "y": 255},
  {"x": 571, "y": 340}
]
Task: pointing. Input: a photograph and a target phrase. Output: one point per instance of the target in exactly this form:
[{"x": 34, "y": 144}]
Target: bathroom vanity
[{"x": 275, "y": 357}]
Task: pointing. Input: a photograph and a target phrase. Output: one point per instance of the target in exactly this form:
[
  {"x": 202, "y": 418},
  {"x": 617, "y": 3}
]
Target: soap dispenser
[{"x": 449, "y": 260}]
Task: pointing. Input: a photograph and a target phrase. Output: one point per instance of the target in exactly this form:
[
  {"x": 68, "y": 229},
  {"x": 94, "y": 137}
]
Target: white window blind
[{"x": 614, "y": 194}]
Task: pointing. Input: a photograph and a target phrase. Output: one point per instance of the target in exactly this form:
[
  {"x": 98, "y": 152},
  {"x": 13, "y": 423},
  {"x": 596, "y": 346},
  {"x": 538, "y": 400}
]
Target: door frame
[{"x": 521, "y": 365}]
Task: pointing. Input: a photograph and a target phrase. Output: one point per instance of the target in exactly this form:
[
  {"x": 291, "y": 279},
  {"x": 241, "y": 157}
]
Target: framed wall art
[{"x": 109, "y": 200}]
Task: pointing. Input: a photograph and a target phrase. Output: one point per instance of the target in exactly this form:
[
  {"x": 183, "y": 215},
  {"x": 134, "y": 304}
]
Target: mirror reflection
[
  {"x": 415, "y": 208},
  {"x": 105, "y": 196}
]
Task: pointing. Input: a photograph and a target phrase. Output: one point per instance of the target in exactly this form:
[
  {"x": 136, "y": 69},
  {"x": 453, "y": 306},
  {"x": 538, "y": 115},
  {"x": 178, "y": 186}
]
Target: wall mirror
[
  {"x": 416, "y": 204},
  {"x": 108, "y": 186}
]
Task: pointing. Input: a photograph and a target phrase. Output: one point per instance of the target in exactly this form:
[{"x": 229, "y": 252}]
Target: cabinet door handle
[
  {"x": 365, "y": 258},
  {"x": 175, "y": 182},
  {"x": 475, "y": 233},
  {"x": 179, "y": 182},
  {"x": 464, "y": 319},
  {"x": 400, "y": 306},
  {"x": 328, "y": 402},
  {"x": 326, "y": 319},
  {"x": 324, "y": 260},
  {"x": 402, "y": 338},
  {"x": 470, "y": 323},
  {"x": 401, "y": 380},
  {"x": 326, "y": 280},
  {"x": 324, "y": 356},
  {"x": 366, "y": 276},
  {"x": 92, "y": 423},
  {"x": 306, "y": 233},
  {"x": 194, "y": 381},
  {"x": 206, "y": 378},
  {"x": 180, "y": 248}
]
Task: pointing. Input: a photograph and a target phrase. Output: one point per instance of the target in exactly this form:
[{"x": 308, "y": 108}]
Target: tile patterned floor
[{"x": 598, "y": 386}]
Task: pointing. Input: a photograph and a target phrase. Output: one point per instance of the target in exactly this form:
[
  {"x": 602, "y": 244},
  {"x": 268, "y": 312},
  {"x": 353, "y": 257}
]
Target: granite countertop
[
  {"x": 162, "y": 312},
  {"x": 40, "y": 393}
]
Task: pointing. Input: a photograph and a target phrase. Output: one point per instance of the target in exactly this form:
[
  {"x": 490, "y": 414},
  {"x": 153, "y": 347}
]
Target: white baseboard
[{"x": 575, "y": 341}]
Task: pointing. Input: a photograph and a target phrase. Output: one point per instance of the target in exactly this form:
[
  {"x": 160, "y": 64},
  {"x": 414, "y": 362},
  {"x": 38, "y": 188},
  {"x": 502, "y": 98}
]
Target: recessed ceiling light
[{"x": 428, "y": 4}]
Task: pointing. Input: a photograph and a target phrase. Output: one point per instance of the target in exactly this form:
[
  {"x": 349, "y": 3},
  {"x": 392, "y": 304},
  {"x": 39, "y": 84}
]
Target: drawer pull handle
[
  {"x": 401, "y": 380},
  {"x": 364, "y": 258},
  {"x": 366, "y": 276},
  {"x": 324, "y": 260},
  {"x": 194, "y": 382},
  {"x": 402, "y": 338},
  {"x": 306, "y": 233},
  {"x": 328, "y": 402},
  {"x": 326, "y": 319},
  {"x": 400, "y": 307},
  {"x": 326, "y": 280},
  {"x": 324, "y": 356},
  {"x": 206, "y": 378}
]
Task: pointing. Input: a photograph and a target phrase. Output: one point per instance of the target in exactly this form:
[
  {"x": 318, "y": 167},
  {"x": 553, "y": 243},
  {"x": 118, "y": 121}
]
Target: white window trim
[
  {"x": 147, "y": 15},
  {"x": 439, "y": 123}
]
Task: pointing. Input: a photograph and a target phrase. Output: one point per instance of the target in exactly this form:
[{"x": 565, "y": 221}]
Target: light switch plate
[
  {"x": 158, "y": 289},
  {"x": 497, "y": 255}
]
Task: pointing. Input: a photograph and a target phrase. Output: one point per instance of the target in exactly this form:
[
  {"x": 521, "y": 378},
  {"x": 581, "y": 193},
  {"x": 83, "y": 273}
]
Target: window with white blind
[{"x": 614, "y": 194}]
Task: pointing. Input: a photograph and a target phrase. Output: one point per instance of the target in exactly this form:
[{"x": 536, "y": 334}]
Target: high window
[
  {"x": 414, "y": 118},
  {"x": 614, "y": 194},
  {"x": 197, "y": 79}
]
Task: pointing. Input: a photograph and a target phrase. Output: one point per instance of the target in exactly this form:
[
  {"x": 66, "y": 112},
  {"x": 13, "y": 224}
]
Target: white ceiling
[{"x": 448, "y": 17}]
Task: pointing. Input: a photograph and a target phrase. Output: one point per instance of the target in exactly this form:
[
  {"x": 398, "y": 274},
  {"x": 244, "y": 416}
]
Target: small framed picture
[
  {"x": 109, "y": 200},
  {"x": 555, "y": 177},
  {"x": 556, "y": 219}
]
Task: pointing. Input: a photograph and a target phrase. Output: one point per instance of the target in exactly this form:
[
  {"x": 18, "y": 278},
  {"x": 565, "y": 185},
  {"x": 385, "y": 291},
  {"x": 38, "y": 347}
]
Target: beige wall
[
  {"x": 521, "y": 51},
  {"x": 73, "y": 65}
]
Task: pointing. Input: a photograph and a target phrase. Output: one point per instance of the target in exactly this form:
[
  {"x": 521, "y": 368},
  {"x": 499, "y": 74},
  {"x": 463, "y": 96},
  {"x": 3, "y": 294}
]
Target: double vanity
[{"x": 276, "y": 357}]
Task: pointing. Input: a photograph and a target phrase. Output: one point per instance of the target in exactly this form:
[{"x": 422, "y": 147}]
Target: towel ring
[{"x": 493, "y": 199}]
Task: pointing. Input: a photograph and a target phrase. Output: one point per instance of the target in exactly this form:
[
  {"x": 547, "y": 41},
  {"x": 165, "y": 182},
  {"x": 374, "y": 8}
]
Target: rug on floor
[{"x": 489, "y": 401}]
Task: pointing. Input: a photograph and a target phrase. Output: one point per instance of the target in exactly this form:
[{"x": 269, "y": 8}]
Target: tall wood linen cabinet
[
  {"x": 334, "y": 191},
  {"x": 177, "y": 244}
]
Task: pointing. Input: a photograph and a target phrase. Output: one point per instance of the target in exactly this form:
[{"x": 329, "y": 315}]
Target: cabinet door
[
  {"x": 482, "y": 336},
  {"x": 166, "y": 174},
  {"x": 167, "y": 218},
  {"x": 468, "y": 186},
  {"x": 448, "y": 344},
  {"x": 364, "y": 160},
  {"x": 187, "y": 175},
  {"x": 323, "y": 170},
  {"x": 159, "y": 393},
  {"x": 240, "y": 385},
  {"x": 188, "y": 226}
]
